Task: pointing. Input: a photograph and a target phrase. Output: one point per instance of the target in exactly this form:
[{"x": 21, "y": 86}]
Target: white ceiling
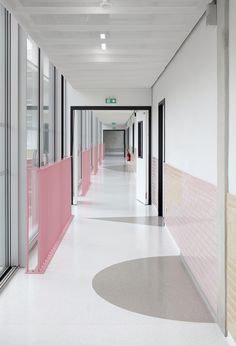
[
  {"x": 142, "y": 37},
  {"x": 109, "y": 117}
]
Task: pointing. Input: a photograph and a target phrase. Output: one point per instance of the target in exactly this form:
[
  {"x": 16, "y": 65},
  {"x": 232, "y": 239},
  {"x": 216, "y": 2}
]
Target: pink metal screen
[
  {"x": 101, "y": 153},
  {"x": 54, "y": 208},
  {"x": 95, "y": 163},
  {"x": 86, "y": 171}
]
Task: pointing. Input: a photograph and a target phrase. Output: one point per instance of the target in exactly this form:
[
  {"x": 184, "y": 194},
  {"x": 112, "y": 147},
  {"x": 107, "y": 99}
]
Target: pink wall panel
[
  {"x": 102, "y": 152},
  {"x": 86, "y": 171},
  {"x": 95, "y": 159},
  {"x": 54, "y": 209},
  {"x": 191, "y": 219}
]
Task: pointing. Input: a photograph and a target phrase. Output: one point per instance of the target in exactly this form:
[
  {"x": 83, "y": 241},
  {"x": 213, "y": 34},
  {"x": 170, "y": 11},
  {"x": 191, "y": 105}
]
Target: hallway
[{"x": 61, "y": 307}]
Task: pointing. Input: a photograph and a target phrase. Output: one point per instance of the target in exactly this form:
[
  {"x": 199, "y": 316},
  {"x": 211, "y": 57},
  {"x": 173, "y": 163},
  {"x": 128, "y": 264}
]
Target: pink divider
[
  {"x": 95, "y": 163},
  {"x": 86, "y": 171},
  {"x": 54, "y": 202},
  {"x": 101, "y": 148}
]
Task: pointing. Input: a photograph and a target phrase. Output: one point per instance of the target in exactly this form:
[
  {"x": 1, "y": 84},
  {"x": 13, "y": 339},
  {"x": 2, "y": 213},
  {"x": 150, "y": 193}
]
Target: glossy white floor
[{"x": 60, "y": 308}]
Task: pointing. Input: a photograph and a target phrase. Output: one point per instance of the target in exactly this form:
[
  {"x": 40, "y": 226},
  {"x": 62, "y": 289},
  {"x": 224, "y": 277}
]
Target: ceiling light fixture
[
  {"x": 103, "y": 36},
  {"x": 103, "y": 46},
  {"x": 106, "y": 4}
]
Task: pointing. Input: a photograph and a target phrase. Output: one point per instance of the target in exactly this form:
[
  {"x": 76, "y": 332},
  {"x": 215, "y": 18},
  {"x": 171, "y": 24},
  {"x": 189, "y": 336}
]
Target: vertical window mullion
[
  {"x": 62, "y": 116},
  {"x": 7, "y": 136},
  {"x": 39, "y": 107},
  {"x": 54, "y": 111}
]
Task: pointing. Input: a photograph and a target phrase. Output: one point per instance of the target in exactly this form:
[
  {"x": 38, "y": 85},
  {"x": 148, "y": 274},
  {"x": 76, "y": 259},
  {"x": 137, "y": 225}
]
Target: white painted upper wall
[
  {"x": 97, "y": 97},
  {"x": 232, "y": 97},
  {"x": 125, "y": 97},
  {"x": 189, "y": 86}
]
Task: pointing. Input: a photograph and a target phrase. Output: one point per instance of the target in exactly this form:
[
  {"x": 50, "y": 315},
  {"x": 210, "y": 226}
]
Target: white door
[{"x": 142, "y": 131}]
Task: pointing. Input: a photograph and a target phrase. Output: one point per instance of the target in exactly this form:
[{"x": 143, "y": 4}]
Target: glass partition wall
[
  {"x": 8, "y": 246},
  {"x": 39, "y": 109},
  {"x": 32, "y": 120},
  {"x": 40, "y": 133},
  {"x": 48, "y": 118},
  {"x": 3, "y": 151}
]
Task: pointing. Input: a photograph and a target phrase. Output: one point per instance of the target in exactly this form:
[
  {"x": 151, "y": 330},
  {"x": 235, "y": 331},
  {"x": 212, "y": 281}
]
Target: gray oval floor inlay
[{"x": 155, "y": 286}]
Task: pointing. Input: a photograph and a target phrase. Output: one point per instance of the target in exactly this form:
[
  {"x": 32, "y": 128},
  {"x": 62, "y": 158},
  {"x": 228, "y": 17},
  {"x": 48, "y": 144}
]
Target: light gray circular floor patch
[{"x": 155, "y": 286}]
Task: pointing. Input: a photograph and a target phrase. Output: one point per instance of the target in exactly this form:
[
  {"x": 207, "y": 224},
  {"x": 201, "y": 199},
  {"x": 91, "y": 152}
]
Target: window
[
  {"x": 32, "y": 102},
  {"x": 92, "y": 142},
  {"x": 127, "y": 139},
  {"x": 84, "y": 131},
  {"x": 3, "y": 148},
  {"x": 140, "y": 139},
  {"x": 80, "y": 144},
  {"x": 63, "y": 112},
  {"x": 5, "y": 142},
  {"x": 133, "y": 138},
  {"x": 32, "y": 119},
  {"x": 47, "y": 123}
]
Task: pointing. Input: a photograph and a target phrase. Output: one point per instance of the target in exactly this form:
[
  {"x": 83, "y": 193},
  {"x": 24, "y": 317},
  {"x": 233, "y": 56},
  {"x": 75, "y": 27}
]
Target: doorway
[
  {"x": 142, "y": 156},
  {"x": 161, "y": 158},
  {"x": 114, "y": 142},
  {"x": 135, "y": 109}
]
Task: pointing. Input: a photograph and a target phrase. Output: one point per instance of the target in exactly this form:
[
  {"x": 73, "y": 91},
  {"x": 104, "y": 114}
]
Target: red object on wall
[
  {"x": 86, "y": 171},
  {"x": 128, "y": 156},
  {"x": 54, "y": 205}
]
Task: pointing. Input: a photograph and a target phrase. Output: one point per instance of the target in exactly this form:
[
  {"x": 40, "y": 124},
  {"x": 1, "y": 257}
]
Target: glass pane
[
  {"x": 48, "y": 113},
  {"x": 32, "y": 134},
  {"x": 140, "y": 139},
  {"x": 3, "y": 245},
  {"x": 80, "y": 144}
]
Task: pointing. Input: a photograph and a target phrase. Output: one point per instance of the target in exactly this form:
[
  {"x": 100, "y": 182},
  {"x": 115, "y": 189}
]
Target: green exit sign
[{"x": 110, "y": 100}]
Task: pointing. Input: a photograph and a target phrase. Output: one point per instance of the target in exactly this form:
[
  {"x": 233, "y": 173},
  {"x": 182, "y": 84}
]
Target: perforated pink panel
[
  {"x": 95, "y": 163},
  {"x": 54, "y": 207},
  {"x": 86, "y": 171},
  {"x": 101, "y": 153}
]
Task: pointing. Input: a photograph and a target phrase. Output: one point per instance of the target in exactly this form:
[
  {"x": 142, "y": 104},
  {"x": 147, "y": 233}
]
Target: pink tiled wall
[{"x": 191, "y": 219}]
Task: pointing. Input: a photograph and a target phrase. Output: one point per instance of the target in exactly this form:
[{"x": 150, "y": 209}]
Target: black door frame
[
  {"x": 112, "y": 108},
  {"x": 161, "y": 156}
]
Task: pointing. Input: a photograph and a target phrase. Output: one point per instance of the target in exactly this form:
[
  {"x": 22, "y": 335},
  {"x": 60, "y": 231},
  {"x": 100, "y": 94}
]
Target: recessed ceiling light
[
  {"x": 103, "y": 46},
  {"x": 103, "y": 36}
]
